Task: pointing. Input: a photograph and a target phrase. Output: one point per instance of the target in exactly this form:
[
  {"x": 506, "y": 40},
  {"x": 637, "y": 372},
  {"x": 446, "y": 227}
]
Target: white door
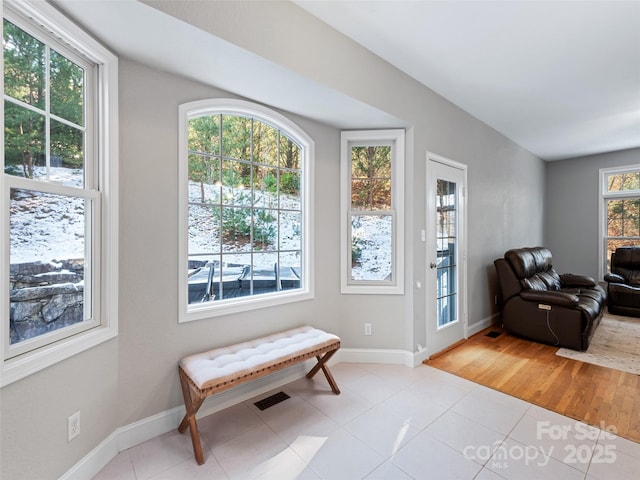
[{"x": 446, "y": 253}]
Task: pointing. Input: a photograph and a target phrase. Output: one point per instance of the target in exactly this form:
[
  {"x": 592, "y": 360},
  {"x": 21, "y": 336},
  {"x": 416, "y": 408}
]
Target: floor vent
[
  {"x": 271, "y": 401},
  {"x": 493, "y": 334}
]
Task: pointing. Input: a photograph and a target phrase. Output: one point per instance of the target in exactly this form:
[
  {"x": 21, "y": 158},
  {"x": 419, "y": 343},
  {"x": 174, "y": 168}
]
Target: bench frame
[{"x": 195, "y": 396}]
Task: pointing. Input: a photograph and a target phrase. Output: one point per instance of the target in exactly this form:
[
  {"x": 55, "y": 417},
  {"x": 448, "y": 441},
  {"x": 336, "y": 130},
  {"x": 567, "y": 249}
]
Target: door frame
[{"x": 462, "y": 248}]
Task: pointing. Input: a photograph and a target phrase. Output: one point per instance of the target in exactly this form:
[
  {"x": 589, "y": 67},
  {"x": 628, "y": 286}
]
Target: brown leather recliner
[
  {"x": 538, "y": 304},
  {"x": 623, "y": 283}
]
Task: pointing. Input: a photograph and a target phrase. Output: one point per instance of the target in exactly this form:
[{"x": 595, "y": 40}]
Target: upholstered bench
[{"x": 207, "y": 373}]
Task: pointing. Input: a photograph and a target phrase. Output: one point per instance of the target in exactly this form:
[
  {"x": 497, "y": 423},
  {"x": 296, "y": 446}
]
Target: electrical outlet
[
  {"x": 367, "y": 329},
  {"x": 73, "y": 423}
]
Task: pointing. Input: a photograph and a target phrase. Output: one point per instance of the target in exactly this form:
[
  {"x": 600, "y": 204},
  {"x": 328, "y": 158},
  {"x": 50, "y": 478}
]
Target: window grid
[
  {"x": 26, "y": 334},
  {"x": 620, "y": 210},
  {"x": 73, "y": 72},
  {"x": 258, "y": 174},
  {"x": 372, "y": 212}
]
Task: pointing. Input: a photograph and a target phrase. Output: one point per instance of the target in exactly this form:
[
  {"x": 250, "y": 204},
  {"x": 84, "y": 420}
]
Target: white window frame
[
  {"x": 101, "y": 193},
  {"x": 602, "y": 210},
  {"x": 354, "y": 138},
  {"x": 189, "y": 312}
]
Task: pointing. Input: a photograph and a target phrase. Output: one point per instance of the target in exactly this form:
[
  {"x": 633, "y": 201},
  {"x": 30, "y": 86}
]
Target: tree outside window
[
  {"x": 59, "y": 215},
  {"x": 372, "y": 207},
  {"x": 246, "y": 208},
  {"x": 621, "y": 200}
]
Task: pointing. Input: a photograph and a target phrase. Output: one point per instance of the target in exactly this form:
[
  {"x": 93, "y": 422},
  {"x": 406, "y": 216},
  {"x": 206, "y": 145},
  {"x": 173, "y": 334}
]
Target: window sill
[
  {"x": 24, "y": 365},
  {"x": 210, "y": 310}
]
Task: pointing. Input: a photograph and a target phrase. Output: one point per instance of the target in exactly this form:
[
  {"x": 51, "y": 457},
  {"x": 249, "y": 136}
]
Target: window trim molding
[
  {"x": 395, "y": 138},
  {"x": 604, "y": 196},
  {"x": 105, "y": 233},
  {"x": 190, "y": 312}
]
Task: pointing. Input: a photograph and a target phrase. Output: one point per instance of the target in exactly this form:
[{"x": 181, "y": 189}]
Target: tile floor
[{"x": 390, "y": 423}]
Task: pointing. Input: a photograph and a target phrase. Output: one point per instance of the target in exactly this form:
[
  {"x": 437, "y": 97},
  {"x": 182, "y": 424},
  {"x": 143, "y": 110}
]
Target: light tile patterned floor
[{"x": 389, "y": 423}]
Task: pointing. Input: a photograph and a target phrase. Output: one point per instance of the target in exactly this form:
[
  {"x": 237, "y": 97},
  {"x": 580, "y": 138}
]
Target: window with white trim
[
  {"x": 372, "y": 211},
  {"x": 620, "y": 211},
  {"x": 59, "y": 190},
  {"x": 245, "y": 208}
]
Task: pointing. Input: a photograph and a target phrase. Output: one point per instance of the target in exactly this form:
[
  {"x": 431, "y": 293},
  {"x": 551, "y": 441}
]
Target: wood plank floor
[{"x": 531, "y": 371}]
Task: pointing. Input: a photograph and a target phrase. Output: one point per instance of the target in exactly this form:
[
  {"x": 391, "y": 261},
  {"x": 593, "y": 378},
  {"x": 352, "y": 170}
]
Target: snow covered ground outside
[{"x": 46, "y": 227}]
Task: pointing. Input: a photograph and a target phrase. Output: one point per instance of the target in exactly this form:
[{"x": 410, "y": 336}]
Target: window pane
[
  {"x": 24, "y": 141},
  {"x": 204, "y": 229},
  {"x": 236, "y": 229},
  {"x": 619, "y": 182},
  {"x": 290, "y": 187},
  {"x": 289, "y": 153},
  {"x": 235, "y": 272},
  {"x": 290, "y": 270},
  {"x": 371, "y": 162},
  {"x": 67, "y": 154},
  {"x": 47, "y": 257},
  {"x": 290, "y": 230},
  {"x": 236, "y": 137},
  {"x": 265, "y": 144},
  {"x": 202, "y": 278},
  {"x": 67, "y": 89},
  {"x": 204, "y": 179},
  {"x": 370, "y": 194},
  {"x": 24, "y": 66},
  {"x": 371, "y": 247},
  {"x": 265, "y": 229},
  {"x": 371, "y": 178},
  {"x": 623, "y": 218},
  {"x": 265, "y": 187},
  {"x": 263, "y": 274},
  {"x": 204, "y": 134},
  {"x": 236, "y": 181}
]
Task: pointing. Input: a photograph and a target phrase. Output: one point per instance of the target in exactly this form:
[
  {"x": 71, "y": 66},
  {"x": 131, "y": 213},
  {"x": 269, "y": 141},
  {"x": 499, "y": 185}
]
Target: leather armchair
[
  {"x": 623, "y": 283},
  {"x": 541, "y": 305}
]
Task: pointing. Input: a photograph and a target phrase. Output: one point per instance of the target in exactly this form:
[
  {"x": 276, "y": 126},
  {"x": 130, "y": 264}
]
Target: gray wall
[
  {"x": 134, "y": 376},
  {"x": 571, "y": 216},
  {"x": 151, "y": 340}
]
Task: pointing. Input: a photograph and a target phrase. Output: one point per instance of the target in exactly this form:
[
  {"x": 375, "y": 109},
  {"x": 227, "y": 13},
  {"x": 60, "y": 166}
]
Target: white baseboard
[
  {"x": 482, "y": 324},
  {"x": 138, "y": 432},
  {"x": 163, "y": 422},
  {"x": 389, "y": 357}
]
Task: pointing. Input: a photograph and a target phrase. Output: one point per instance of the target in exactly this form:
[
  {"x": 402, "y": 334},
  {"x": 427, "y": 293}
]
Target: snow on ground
[{"x": 46, "y": 227}]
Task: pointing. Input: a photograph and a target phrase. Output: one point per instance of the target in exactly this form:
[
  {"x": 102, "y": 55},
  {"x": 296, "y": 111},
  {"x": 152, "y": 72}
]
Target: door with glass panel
[{"x": 446, "y": 253}]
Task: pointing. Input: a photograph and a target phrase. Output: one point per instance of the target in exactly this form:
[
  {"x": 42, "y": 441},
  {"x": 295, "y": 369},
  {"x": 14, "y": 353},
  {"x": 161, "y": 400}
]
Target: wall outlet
[
  {"x": 73, "y": 424},
  {"x": 367, "y": 329}
]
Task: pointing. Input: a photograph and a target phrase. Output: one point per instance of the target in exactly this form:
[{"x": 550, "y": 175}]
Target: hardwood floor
[{"x": 596, "y": 395}]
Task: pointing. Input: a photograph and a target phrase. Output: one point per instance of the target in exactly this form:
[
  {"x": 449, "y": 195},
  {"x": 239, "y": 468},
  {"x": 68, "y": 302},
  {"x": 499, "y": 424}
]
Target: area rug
[{"x": 616, "y": 344}]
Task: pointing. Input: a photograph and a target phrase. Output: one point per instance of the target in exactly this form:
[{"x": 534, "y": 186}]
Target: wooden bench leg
[
  {"x": 191, "y": 405},
  {"x": 322, "y": 364}
]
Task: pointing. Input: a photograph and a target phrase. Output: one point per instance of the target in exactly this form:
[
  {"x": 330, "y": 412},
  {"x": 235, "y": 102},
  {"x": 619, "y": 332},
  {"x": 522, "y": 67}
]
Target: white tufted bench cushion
[{"x": 204, "y": 374}]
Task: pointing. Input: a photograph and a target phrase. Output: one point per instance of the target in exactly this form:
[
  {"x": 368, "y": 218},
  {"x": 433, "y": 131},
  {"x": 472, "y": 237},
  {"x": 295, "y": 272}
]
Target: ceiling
[{"x": 560, "y": 78}]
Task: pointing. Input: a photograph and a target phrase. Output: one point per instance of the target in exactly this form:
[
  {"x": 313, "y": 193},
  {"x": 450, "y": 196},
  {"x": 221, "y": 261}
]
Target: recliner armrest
[
  {"x": 572, "y": 280},
  {"x": 614, "y": 278},
  {"x": 562, "y": 299}
]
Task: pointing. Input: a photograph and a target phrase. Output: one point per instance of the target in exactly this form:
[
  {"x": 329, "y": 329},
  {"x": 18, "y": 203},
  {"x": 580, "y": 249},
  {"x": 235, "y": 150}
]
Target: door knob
[{"x": 432, "y": 265}]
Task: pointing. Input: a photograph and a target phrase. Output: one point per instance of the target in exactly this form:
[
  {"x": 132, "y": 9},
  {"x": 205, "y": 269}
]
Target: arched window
[{"x": 245, "y": 208}]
